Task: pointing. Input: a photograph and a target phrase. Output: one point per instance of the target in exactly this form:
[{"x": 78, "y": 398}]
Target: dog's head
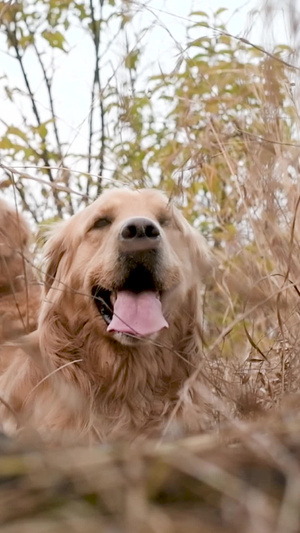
[{"x": 128, "y": 262}]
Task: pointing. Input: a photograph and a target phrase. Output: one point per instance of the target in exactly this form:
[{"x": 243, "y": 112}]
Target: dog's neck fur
[{"x": 126, "y": 388}]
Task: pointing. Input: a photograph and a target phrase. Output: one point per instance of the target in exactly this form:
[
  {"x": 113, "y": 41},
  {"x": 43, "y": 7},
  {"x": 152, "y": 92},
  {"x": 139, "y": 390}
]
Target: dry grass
[
  {"x": 244, "y": 478},
  {"x": 242, "y": 473}
]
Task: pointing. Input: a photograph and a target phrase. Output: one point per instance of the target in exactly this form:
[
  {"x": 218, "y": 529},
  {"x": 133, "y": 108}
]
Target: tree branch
[
  {"x": 96, "y": 82},
  {"x": 13, "y": 38},
  {"x": 51, "y": 102}
]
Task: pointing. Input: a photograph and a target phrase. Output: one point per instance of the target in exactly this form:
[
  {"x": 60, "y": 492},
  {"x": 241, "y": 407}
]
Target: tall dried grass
[{"x": 241, "y": 474}]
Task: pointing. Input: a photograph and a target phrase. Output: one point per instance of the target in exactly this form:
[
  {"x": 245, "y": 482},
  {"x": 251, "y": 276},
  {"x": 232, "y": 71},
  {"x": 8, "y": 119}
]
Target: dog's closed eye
[{"x": 101, "y": 223}]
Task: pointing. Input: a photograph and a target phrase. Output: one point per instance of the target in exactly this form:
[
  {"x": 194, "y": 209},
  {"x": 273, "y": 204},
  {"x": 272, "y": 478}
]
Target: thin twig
[{"x": 12, "y": 36}]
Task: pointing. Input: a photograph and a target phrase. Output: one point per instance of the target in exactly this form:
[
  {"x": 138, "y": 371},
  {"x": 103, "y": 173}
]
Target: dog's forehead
[{"x": 124, "y": 201}]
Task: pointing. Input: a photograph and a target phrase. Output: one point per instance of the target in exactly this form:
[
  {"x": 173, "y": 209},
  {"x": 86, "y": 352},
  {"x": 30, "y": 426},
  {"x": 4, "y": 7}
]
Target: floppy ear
[
  {"x": 54, "y": 251},
  {"x": 201, "y": 254},
  {"x": 14, "y": 232},
  {"x": 15, "y": 235}
]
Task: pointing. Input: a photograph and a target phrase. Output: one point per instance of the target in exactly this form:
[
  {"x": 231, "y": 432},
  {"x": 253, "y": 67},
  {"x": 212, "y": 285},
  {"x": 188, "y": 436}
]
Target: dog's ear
[
  {"x": 54, "y": 251},
  {"x": 201, "y": 255},
  {"x": 14, "y": 231},
  {"x": 60, "y": 249}
]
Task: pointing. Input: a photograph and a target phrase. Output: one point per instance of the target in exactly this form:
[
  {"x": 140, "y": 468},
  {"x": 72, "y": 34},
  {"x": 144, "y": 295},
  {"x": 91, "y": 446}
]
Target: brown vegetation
[
  {"x": 19, "y": 288},
  {"x": 228, "y": 146}
]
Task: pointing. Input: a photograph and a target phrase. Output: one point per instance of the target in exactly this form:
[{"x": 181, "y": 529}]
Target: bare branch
[
  {"x": 12, "y": 36},
  {"x": 96, "y": 83}
]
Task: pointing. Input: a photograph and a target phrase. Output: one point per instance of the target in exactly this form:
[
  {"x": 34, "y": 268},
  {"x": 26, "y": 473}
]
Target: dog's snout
[
  {"x": 139, "y": 233},
  {"x": 139, "y": 228}
]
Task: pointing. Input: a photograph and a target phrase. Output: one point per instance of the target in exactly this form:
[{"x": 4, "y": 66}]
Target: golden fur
[
  {"x": 75, "y": 380},
  {"x": 19, "y": 294}
]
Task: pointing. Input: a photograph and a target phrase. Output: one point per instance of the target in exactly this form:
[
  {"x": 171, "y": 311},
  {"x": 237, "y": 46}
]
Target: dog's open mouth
[{"x": 134, "y": 308}]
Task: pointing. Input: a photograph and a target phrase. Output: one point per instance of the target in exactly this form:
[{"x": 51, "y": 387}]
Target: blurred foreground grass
[
  {"x": 228, "y": 145},
  {"x": 244, "y": 478}
]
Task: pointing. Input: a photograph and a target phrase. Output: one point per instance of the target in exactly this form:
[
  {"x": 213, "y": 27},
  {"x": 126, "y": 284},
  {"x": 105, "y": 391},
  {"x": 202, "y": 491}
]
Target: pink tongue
[{"x": 137, "y": 313}]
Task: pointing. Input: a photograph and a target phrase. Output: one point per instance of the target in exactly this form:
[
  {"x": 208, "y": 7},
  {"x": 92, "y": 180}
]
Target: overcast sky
[{"x": 74, "y": 70}]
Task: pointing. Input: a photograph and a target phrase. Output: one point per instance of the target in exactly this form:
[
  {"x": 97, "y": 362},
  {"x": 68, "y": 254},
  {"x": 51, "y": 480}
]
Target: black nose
[{"x": 139, "y": 233}]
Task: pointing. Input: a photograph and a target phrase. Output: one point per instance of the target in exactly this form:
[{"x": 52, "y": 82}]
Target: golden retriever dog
[
  {"x": 19, "y": 292},
  {"x": 119, "y": 329}
]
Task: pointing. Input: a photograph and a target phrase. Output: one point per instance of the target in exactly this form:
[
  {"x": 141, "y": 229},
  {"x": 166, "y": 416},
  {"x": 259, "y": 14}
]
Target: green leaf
[
  {"x": 199, "y": 13},
  {"x": 131, "y": 59},
  {"x": 12, "y": 130},
  {"x": 6, "y": 143},
  {"x": 82, "y": 11},
  {"x": 225, "y": 39},
  {"x": 201, "y": 25},
  {"x": 55, "y": 39},
  {"x": 26, "y": 41},
  {"x": 199, "y": 42},
  {"x": 221, "y": 10},
  {"x": 41, "y": 130}
]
